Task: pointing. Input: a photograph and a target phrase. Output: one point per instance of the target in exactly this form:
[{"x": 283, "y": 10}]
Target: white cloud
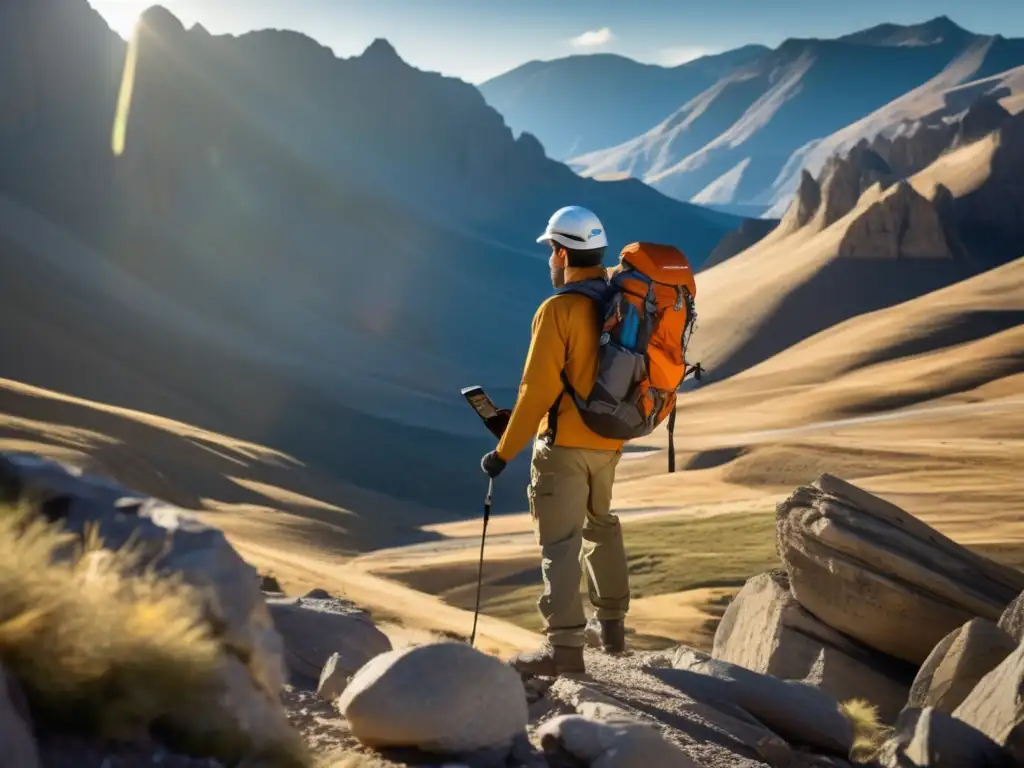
[
  {"x": 673, "y": 57},
  {"x": 593, "y": 38}
]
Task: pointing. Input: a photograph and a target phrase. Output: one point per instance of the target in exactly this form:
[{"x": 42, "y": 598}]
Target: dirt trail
[{"x": 387, "y": 599}]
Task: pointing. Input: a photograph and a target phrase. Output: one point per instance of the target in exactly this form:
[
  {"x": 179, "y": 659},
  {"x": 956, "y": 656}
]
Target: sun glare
[{"x": 121, "y": 15}]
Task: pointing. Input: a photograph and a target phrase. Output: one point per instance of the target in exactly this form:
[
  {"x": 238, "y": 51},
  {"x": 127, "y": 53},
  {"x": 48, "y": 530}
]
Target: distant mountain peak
[
  {"x": 381, "y": 50},
  {"x": 940, "y": 29},
  {"x": 943, "y": 21},
  {"x": 160, "y": 21}
]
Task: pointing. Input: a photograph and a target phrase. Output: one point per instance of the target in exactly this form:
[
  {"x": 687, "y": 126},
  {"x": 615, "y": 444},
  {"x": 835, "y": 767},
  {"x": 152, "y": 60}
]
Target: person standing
[{"x": 572, "y": 469}]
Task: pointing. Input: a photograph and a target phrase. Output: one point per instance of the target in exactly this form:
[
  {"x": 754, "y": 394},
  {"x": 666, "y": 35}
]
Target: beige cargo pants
[{"x": 570, "y": 497}]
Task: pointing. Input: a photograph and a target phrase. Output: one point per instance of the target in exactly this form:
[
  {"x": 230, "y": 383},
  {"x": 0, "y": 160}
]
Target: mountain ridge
[
  {"x": 740, "y": 143},
  {"x": 363, "y": 229},
  {"x": 802, "y": 93},
  {"x": 567, "y": 85}
]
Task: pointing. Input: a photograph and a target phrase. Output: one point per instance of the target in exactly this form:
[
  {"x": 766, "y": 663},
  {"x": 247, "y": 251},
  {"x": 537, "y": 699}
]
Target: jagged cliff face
[
  {"x": 805, "y": 204},
  {"x": 845, "y": 179},
  {"x": 821, "y": 203},
  {"x": 902, "y": 224},
  {"x": 920, "y": 144},
  {"x": 990, "y": 218}
]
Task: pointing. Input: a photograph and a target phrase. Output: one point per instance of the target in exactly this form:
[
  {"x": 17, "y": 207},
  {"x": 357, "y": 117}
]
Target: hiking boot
[
  {"x": 550, "y": 661},
  {"x": 613, "y": 635},
  {"x": 607, "y": 634}
]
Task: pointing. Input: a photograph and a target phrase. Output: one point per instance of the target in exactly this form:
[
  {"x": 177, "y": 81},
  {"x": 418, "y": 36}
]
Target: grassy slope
[{"x": 952, "y": 457}]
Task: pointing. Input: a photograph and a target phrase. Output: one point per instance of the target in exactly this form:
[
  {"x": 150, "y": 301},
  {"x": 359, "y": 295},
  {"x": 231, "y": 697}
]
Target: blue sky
[{"x": 477, "y": 39}]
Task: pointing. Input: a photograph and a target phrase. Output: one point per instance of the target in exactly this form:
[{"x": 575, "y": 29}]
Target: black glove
[
  {"x": 492, "y": 464},
  {"x": 497, "y": 423}
]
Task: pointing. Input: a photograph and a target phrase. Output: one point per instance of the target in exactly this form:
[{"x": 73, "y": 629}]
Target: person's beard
[{"x": 557, "y": 277}]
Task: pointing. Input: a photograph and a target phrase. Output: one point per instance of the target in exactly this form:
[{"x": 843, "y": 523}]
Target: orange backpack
[{"x": 647, "y": 316}]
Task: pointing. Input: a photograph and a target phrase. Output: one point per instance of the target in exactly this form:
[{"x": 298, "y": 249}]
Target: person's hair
[{"x": 593, "y": 257}]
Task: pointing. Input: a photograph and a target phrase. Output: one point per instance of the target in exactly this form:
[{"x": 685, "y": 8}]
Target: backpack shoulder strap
[{"x": 596, "y": 288}]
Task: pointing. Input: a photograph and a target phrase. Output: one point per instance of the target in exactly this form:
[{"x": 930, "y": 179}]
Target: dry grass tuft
[
  {"x": 869, "y": 733},
  {"x": 106, "y": 649}
]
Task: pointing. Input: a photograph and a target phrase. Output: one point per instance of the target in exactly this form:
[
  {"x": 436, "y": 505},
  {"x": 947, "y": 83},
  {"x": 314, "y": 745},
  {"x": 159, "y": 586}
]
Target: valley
[{"x": 263, "y": 305}]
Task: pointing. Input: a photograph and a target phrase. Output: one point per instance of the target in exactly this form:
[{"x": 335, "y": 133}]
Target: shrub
[{"x": 105, "y": 648}]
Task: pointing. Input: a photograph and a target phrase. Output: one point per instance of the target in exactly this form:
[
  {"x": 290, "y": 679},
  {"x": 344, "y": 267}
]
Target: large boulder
[
  {"x": 314, "y": 629},
  {"x": 16, "y": 738},
  {"x": 958, "y": 663},
  {"x": 166, "y": 539},
  {"x": 720, "y": 734},
  {"x": 801, "y": 714},
  {"x": 608, "y": 737},
  {"x": 766, "y": 630},
  {"x": 996, "y": 705},
  {"x": 929, "y": 738},
  {"x": 443, "y": 698},
  {"x": 875, "y": 573}
]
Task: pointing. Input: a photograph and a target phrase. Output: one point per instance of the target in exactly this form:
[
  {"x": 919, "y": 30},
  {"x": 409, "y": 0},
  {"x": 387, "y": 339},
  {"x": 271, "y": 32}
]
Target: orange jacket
[{"x": 565, "y": 337}]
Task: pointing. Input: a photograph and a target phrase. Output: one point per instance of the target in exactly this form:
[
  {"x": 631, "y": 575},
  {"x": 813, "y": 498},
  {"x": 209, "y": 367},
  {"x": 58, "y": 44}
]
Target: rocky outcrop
[
  {"x": 928, "y": 738},
  {"x": 996, "y": 705},
  {"x": 896, "y": 155},
  {"x": 981, "y": 118},
  {"x": 766, "y": 630},
  {"x": 805, "y": 205},
  {"x": 838, "y": 188},
  {"x": 845, "y": 178},
  {"x": 958, "y": 663},
  {"x": 475, "y": 702},
  {"x": 990, "y": 217},
  {"x": 870, "y": 570},
  {"x": 166, "y": 539},
  {"x": 269, "y": 583},
  {"x": 800, "y": 713},
  {"x": 717, "y": 733},
  {"x": 315, "y": 629},
  {"x": 914, "y": 147},
  {"x": 136, "y": 624},
  {"x": 902, "y": 224},
  {"x": 607, "y": 737}
]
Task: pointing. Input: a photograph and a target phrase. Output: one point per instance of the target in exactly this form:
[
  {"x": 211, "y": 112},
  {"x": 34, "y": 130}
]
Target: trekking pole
[{"x": 480, "y": 571}]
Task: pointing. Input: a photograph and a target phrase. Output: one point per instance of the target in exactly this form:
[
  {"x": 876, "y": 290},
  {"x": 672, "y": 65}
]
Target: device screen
[{"x": 481, "y": 403}]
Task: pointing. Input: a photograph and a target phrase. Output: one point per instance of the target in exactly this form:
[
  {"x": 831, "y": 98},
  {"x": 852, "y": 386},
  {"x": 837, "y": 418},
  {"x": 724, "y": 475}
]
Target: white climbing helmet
[{"x": 575, "y": 227}]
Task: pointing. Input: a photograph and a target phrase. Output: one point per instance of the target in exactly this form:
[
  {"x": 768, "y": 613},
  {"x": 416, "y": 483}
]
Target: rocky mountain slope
[
  {"x": 282, "y": 245},
  {"x": 742, "y": 143},
  {"x": 859, "y": 238},
  {"x": 549, "y": 99},
  {"x": 951, "y": 341},
  {"x": 814, "y": 663}
]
